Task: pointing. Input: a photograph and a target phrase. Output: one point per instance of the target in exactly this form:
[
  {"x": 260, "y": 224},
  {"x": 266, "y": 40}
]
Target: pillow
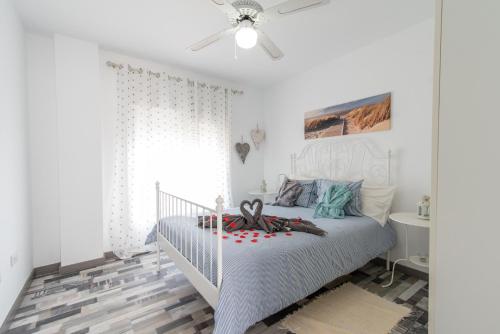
[
  {"x": 288, "y": 193},
  {"x": 333, "y": 202},
  {"x": 307, "y": 197},
  {"x": 353, "y": 207},
  {"x": 322, "y": 186},
  {"x": 377, "y": 202}
]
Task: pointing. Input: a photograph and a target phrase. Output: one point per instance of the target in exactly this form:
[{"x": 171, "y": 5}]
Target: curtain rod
[{"x": 140, "y": 70}]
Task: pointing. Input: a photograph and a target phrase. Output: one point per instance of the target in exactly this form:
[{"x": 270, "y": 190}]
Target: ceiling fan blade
[
  {"x": 210, "y": 39},
  {"x": 268, "y": 45},
  {"x": 226, "y": 7},
  {"x": 291, "y": 7}
]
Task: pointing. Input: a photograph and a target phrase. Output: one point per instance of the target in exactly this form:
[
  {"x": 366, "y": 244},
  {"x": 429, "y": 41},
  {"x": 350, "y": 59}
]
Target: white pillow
[{"x": 376, "y": 202}]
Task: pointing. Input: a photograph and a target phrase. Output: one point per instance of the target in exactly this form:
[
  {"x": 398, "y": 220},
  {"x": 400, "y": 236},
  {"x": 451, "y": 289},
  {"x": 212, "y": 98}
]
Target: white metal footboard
[{"x": 192, "y": 249}]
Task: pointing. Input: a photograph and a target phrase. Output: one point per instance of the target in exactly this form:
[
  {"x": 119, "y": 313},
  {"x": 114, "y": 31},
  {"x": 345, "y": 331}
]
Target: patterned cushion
[
  {"x": 307, "y": 197},
  {"x": 353, "y": 207},
  {"x": 288, "y": 193}
]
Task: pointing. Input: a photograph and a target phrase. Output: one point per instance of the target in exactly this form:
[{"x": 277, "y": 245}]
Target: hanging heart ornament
[
  {"x": 258, "y": 136},
  {"x": 242, "y": 149}
]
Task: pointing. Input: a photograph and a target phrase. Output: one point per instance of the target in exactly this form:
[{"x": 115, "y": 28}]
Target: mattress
[{"x": 261, "y": 276}]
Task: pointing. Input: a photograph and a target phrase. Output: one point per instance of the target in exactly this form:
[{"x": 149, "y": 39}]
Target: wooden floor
[{"x": 130, "y": 297}]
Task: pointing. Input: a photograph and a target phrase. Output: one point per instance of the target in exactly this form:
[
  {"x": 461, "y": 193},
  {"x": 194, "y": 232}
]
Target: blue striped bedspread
[{"x": 261, "y": 278}]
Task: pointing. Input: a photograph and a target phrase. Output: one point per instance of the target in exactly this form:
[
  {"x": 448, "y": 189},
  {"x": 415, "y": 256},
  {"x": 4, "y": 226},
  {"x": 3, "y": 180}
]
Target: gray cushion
[
  {"x": 353, "y": 207},
  {"x": 288, "y": 193},
  {"x": 307, "y": 197}
]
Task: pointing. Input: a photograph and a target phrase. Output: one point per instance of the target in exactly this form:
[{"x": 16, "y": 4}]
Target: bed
[{"x": 247, "y": 280}]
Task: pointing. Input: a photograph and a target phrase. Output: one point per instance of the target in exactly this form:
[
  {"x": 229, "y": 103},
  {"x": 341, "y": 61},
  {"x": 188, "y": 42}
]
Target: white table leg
[
  {"x": 398, "y": 260},
  {"x": 388, "y": 260},
  {"x": 392, "y": 275}
]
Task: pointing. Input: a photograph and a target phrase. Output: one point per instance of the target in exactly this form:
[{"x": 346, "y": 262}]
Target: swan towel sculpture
[{"x": 258, "y": 221}]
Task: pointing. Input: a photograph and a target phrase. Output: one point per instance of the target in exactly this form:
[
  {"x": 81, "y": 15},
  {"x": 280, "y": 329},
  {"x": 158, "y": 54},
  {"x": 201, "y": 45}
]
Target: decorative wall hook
[
  {"x": 242, "y": 149},
  {"x": 258, "y": 136}
]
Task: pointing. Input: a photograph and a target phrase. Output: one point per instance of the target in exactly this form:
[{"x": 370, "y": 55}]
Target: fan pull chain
[{"x": 235, "y": 55}]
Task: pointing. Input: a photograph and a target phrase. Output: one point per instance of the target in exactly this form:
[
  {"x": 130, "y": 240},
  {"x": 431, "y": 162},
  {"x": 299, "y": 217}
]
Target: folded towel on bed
[
  {"x": 257, "y": 221},
  {"x": 272, "y": 224}
]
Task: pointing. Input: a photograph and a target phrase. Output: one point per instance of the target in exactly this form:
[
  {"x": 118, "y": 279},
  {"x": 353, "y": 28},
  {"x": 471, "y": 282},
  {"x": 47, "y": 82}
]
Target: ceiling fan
[{"x": 246, "y": 16}]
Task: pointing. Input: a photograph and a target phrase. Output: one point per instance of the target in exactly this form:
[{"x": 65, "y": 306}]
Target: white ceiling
[{"x": 161, "y": 30}]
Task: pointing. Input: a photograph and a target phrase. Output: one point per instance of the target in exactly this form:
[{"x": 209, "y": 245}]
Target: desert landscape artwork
[{"x": 366, "y": 115}]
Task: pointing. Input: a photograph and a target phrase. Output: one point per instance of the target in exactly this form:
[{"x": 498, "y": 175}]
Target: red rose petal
[
  {"x": 238, "y": 241},
  {"x": 256, "y": 234},
  {"x": 252, "y": 229},
  {"x": 245, "y": 233},
  {"x": 242, "y": 230},
  {"x": 229, "y": 232},
  {"x": 225, "y": 237},
  {"x": 288, "y": 234},
  {"x": 254, "y": 240},
  {"x": 235, "y": 234},
  {"x": 267, "y": 236},
  {"x": 242, "y": 237}
]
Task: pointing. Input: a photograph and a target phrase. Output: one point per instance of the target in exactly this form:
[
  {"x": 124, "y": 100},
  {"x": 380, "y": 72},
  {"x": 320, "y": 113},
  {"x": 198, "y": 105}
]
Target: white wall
[
  {"x": 79, "y": 149},
  {"x": 15, "y": 238},
  {"x": 401, "y": 64},
  {"x": 44, "y": 169},
  {"x": 247, "y": 112},
  {"x": 466, "y": 229},
  {"x": 65, "y": 134}
]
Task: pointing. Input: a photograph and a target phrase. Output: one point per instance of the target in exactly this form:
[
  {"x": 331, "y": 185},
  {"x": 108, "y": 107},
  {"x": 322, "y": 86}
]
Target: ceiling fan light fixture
[{"x": 246, "y": 36}]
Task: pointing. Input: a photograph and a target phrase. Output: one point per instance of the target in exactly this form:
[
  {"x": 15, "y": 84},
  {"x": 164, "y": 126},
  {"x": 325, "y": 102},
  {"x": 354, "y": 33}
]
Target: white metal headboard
[{"x": 343, "y": 160}]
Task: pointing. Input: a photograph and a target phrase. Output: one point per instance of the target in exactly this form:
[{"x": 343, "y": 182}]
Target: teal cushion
[
  {"x": 333, "y": 202},
  {"x": 353, "y": 207}
]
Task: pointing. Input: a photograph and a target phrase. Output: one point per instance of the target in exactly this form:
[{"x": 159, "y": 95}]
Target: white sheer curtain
[{"x": 172, "y": 130}]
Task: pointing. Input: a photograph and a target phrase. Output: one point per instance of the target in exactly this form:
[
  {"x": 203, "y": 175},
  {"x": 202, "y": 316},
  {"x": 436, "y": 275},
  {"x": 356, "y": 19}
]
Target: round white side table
[
  {"x": 408, "y": 219},
  {"x": 258, "y": 193}
]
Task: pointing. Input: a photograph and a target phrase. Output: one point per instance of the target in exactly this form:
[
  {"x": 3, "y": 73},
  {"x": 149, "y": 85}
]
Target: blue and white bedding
[{"x": 261, "y": 278}]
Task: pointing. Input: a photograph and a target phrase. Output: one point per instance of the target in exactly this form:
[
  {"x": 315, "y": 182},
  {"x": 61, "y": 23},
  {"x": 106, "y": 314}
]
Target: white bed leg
[
  {"x": 158, "y": 255},
  {"x": 158, "y": 225},
  {"x": 219, "y": 209},
  {"x": 388, "y": 261}
]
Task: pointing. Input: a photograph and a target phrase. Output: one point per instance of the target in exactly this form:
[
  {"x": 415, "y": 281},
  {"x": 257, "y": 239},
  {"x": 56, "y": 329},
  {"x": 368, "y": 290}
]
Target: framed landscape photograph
[{"x": 366, "y": 115}]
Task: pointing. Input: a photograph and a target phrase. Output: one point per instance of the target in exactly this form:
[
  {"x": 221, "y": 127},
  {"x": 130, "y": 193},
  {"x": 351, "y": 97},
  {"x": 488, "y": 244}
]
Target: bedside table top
[
  {"x": 260, "y": 193},
  {"x": 408, "y": 218}
]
